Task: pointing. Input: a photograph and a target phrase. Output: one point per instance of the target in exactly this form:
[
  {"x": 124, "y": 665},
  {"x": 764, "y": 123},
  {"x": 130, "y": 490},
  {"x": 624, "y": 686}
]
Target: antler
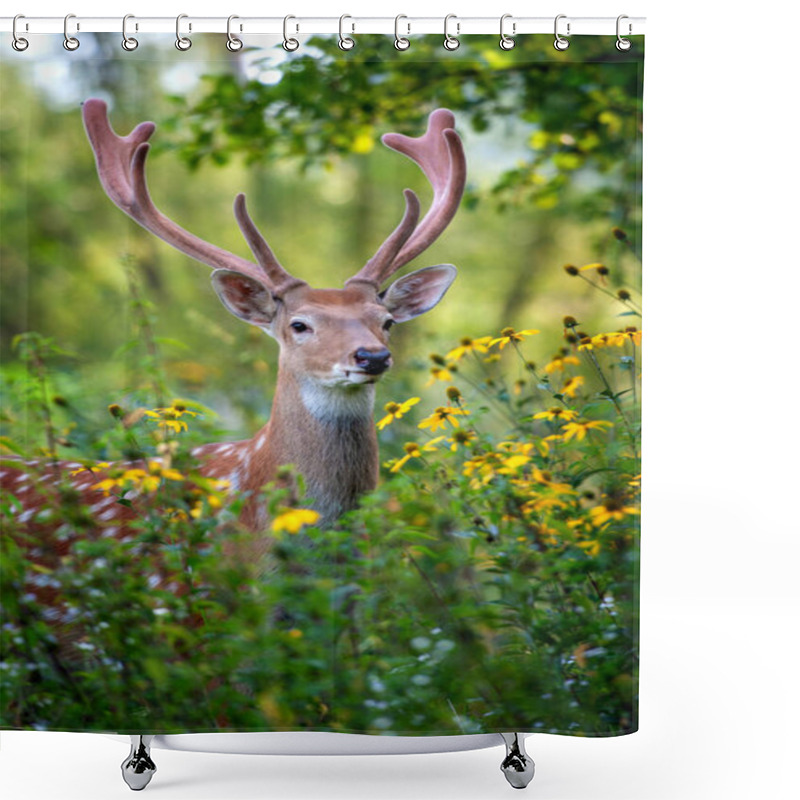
[
  {"x": 440, "y": 155},
  {"x": 121, "y": 168}
]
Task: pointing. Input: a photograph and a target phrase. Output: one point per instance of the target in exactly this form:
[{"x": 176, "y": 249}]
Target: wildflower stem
[
  {"x": 629, "y": 304},
  {"x": 491, "y": 397},
  {"x": 34, "y": 349},
  {"x": 49, "y": 429},
  {"x": 539, "y": 382},
  {"x": 145, "y": 332},
  {"x": 505, "y": 398},
  {"x": 611, "y": 396}
]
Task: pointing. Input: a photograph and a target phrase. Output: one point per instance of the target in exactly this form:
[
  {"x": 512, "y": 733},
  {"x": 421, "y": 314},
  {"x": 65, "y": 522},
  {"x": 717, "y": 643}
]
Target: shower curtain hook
[
  {"x": 128, "y": 42},
  {"x": 183, "y": 43},
  {"x": 450, "y": 42},
  {"x": 506, "y": 42},
  {"x": 234, "y": 44},
  {"x": 289, "y": 44},
  {"x": 400, "y": 42},
  {"x": 70, "y": 42},
  {"x": 18, "y": 42},
  {"x": 623, "y": 44},
  {"x": 345, "y": 42},
  {"x": 561, "y": 43}
]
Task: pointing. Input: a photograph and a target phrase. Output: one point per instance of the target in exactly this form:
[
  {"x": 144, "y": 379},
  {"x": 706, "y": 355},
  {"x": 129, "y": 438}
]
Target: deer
[{"x": 333, "y": 343}]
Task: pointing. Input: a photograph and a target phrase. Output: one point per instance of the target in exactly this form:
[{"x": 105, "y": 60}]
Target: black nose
[{"x": 373, "y": 362}]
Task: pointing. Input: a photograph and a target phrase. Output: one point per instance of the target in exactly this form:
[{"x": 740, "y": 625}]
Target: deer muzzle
[{"x": 373, "y": 362}]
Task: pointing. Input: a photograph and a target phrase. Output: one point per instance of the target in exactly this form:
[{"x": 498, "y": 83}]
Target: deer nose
[{"x": 373, "y": 362}]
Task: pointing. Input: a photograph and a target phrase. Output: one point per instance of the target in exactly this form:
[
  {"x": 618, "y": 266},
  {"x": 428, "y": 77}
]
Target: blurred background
[{"x": 554, "y": 156}]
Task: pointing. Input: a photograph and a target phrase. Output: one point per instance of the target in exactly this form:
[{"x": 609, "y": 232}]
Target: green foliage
[
  {"x": 488, "y": 584},
  {"x": 579, "y": 117}
]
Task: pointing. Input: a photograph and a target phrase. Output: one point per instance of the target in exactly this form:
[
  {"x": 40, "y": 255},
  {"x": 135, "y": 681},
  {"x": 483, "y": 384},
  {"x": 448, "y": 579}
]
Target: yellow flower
[
  {"x": 611, "y": 509},
  {"x": 512, "y": 464},
  {"x": 413, "y": 450},
  {"x": 510, "y": 335},
  {"x": 558, "y": 363},
  {"x": 138, "y": 479},
  {"x": 441, "y": 416},
  {"x": 175, "y": 411},
  {"x": 557, "y": 413},
  {"x": 162, "y": 472},
  {"x": 592, "y": 547},
  {"x": 141, "y": 480},
  {"x": 441, "y": 373},
  {"x": 100, "y": 465},
  {"x": 469, "y": 345},
  {"x": 461, "y": 438},
  {"x": 571, "y": 385},
  {"x": 175, "y": 425},
  {"x": 578, "y": 430},
  {"x": 609, "y": 340},
  {"x": 396, "y": 411},
  {"x": 483, "y": 469},
  {"x": 106, "y": 485},
  {"x": 292, "y": 520},
  {"x": 169, "y": 418},
  {"x": 613, "y": 339},
  {"x": 543, "y": 503},
  {"x": 546, "y": 478},
  {"x": 634, "y": 335}
]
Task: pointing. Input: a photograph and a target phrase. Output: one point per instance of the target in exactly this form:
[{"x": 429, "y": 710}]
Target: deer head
[{"x": 330, "y": 339}]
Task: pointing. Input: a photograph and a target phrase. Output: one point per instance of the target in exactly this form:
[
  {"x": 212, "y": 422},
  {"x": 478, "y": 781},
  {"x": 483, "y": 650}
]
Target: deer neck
[{"x": 328, "y": 434}]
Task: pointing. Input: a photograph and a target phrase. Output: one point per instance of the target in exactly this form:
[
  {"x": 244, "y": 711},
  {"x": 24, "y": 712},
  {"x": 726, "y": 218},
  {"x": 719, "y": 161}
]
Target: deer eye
[
  {"x": 388, "y": 324},
  {"x": 299, "y": 327}
]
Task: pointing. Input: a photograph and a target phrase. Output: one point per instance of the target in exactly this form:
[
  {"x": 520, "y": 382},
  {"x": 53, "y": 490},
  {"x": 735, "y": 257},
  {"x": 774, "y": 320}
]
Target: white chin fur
[{"x": 341, "y": 398}]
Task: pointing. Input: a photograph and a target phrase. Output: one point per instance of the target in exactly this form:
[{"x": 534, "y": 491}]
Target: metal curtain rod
[{"x": 408, "y": 26}]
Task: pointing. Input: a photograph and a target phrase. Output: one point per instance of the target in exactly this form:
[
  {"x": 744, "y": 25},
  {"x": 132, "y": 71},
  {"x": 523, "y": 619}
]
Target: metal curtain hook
[
  {"x": 506, "y": 42},
  {"x": 233, "y": 44},
  {"x": 182, "y": 42},
  {"x": 560, "y": 43},
  {"x": 400, "y": 42},
  {"x": 623, "y": 44},
  {"x": 18, "y": 42},
  {"x": 451, "y": 42},
  {"x": 345, "y": 42},
  {"x": 128, "y": 42},
  {"x": 70, "y": 42},
  {"x": 289, "y": 44}
]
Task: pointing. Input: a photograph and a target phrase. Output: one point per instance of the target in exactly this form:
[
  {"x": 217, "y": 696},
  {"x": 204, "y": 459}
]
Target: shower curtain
[{"x": 487, "y": 581}]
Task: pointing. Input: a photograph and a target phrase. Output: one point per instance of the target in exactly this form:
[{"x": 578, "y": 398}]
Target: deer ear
[
  {"x": 245, "y": 297},
  {"x": 418, "y": 292}
]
